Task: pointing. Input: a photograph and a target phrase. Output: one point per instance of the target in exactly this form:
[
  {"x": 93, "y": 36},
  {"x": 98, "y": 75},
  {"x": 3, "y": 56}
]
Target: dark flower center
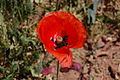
[{"x": 60, "y": 41}]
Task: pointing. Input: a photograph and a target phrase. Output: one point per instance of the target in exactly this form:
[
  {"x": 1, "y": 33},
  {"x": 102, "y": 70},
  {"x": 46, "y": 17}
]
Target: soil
[{"x": 102, "y": 65}]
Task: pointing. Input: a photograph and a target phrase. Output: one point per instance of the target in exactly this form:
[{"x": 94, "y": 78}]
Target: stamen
[{"x": 59, "y": 39}]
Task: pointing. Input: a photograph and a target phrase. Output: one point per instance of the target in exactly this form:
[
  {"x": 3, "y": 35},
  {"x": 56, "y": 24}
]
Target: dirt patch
[{"x": 101, "y": 67}]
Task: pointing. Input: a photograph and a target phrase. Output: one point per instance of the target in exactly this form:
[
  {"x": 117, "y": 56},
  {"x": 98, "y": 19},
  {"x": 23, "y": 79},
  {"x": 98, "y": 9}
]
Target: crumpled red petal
[
  {"x": 76, "y": 66},
  {"x": 47, "y": 70},
  {"x": 64, "y": 56}
]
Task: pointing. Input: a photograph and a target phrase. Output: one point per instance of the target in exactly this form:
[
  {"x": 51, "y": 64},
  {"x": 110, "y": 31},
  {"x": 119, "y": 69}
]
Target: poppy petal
[
  {"x": 64, "y": 57},
  {"x": 73, "y": 28},
  {"x": 81, "y": 35},
  {"x": 47, "y": 28}
]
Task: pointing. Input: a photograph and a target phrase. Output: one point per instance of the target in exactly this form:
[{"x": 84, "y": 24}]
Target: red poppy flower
[{"x": 60, "y": 31}]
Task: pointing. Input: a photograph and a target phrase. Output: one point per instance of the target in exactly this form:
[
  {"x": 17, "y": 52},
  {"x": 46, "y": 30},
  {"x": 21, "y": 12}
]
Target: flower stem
[{"x": 57, "y": 70}]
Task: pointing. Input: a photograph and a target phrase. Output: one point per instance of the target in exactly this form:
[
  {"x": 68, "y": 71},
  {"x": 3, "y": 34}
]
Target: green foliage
[
  {"x": 16, "y": 43},
  {"x": 17, "y": 10},
  {"x": 19, "y": 46}
]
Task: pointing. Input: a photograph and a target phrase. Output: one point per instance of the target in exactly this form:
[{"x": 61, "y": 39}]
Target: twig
[
  {"x": 43, "y": 48},
  {"x": 45, "y": 55}
]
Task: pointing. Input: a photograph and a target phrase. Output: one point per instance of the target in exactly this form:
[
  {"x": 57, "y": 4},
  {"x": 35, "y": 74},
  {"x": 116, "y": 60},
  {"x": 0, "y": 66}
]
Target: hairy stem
[{"x": 57, "y": 70}]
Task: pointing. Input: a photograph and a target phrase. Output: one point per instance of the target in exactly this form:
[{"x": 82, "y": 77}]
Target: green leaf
[
  {"x": 15, "y": 65},
  {"x": 36, "y": 54},
  {"x": 2, "y": 70},
  {"x": 91, "y": 12},
  {"x": 35, "y": 70},
  {"x": 9, "y": 77},
  {"x": 39, "y": 68}
]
